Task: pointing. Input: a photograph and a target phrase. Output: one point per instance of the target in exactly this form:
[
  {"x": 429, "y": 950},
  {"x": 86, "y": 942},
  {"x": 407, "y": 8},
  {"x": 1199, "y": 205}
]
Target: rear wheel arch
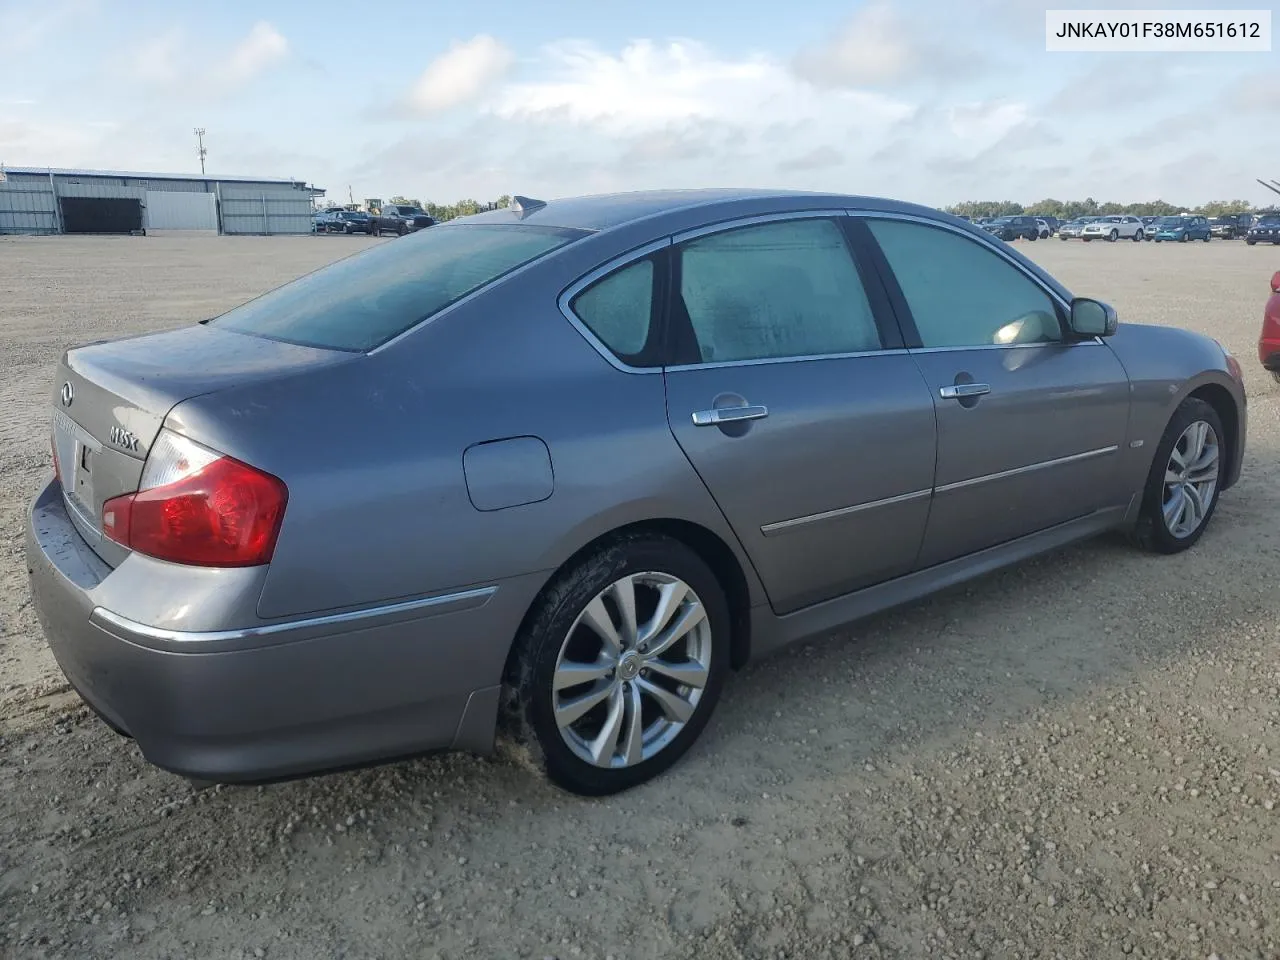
[{"x": 710, "y": 548}]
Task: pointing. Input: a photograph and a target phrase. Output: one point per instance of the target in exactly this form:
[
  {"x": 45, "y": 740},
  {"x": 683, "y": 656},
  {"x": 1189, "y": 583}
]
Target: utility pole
[{"x": 201, "y": 151}]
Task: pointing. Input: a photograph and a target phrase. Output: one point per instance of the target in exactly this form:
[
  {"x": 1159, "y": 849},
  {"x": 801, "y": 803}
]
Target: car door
[
  {"x": 790, "y": 393},
  {"x": 1030, "y": 422}
]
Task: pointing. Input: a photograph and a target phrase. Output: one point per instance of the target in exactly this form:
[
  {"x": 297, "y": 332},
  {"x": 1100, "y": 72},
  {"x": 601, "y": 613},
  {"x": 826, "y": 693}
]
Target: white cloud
[
  {"x": 263, "y": 48},
  {"x": 159, "y": 60},
  {"x": 171, "y": 64},
  {"x": 648, "y": 86},
  {"x": 878, "y": 46},
  {"x": 873, "y": 46},
  {"x": 985, "y": 121},
  {"x": 461, "y": 74}
]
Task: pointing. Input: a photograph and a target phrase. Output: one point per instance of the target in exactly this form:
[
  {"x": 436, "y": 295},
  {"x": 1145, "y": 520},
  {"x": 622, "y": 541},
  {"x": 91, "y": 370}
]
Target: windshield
[
  {"x": 1270, "y": 220},
  {"x": 1171, "y": 221},
  {"x": 365, "y": 300}
]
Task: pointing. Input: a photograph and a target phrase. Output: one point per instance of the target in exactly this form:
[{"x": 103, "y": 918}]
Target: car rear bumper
[{"x": 274, "y": 700}]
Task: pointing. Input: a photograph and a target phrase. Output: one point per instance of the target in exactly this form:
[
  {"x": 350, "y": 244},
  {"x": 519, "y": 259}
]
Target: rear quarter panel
[
  {"x": 372, "y": 452},
  {"x": 1166, "y": 365}
]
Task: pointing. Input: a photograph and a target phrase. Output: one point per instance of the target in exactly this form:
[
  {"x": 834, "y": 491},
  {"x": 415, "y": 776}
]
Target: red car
[{"x": 1269, "y": 342}]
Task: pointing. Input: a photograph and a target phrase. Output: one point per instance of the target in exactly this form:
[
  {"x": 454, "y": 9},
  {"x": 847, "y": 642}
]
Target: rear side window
[
  {"x": 618, "y": 310},
  {"x": 777, "y": 290},
  {"x": 365, "y": 300}
]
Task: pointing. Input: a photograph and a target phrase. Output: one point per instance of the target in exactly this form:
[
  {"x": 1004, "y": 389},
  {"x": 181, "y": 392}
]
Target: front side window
[
  {"x": 366, "y": 299},
  {"x": 774, "y": 290},
  {"x": 962, "y": 294}
]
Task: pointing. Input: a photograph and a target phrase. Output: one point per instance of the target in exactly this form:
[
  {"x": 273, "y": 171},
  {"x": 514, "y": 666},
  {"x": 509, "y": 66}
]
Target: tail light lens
[{"x": 198, "y": 507}]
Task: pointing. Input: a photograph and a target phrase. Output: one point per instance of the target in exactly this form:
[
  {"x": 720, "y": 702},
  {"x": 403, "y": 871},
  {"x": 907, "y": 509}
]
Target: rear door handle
[
  {"x": 719, "y": 415},
  {"x": 957, "y": 391}
]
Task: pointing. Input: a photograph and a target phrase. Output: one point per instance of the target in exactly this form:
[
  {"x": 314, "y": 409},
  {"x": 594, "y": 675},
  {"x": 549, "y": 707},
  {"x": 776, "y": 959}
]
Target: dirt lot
[{"x": 1079, "y": 757}]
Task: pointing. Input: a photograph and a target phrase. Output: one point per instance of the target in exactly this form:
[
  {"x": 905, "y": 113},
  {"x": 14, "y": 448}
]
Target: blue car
[{"x": 1183, "y": 229}]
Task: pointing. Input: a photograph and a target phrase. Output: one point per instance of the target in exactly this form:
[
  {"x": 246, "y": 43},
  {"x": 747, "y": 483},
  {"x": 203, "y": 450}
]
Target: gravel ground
[{"x": 1079, "y": 757}]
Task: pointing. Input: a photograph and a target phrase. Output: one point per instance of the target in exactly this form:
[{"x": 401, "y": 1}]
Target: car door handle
[
  {"x": 957, "y": 391},
  {"x": 720, "y": 415}
]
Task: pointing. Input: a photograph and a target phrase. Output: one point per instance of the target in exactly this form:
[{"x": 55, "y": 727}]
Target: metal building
[{"x": 51, "y": 200}]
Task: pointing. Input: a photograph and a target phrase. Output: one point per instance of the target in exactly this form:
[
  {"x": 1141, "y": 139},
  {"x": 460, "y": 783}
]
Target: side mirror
[
  {"x": 1275, "y": 282},
  {"x": 1093, "y": 318}
]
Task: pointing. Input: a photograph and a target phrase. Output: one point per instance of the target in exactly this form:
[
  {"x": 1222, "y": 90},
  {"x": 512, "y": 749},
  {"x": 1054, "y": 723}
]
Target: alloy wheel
[
  {"x": 1190, "y": 479},
  {"x": 632, "y": 669}
]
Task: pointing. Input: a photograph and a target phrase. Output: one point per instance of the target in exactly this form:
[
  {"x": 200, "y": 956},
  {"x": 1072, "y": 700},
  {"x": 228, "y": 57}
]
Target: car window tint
[
  {"x": 618, "y": 308},
  {"x": 787, "y": 289},
  {"x": 366, "y": 299},
  {"x": 962, "y": 294}
]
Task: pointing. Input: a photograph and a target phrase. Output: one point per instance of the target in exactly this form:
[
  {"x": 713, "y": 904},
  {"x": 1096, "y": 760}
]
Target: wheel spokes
[
  {"x": 570, "y": 673},
  {"x": 569, "y": 711},
  {"x": 633, "y": 744},
  {"x": 596, "y": 618},
  {"x": 623, "y": 594},
  {"x": 674, "y": 707},
  {"x": 606, "y": 742},
  {"x": 670, "y": 596},
  {"x": 690, "y": 616},
  {"x": 1195, "y": 507},
  {"x": 1204, "y": 467},
  {"x": 691, "y": 674},
  {"x": 1174, "y": 509}
]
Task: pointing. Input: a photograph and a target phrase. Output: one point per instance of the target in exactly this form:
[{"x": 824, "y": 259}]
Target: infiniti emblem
[{"x": 67, "y": 394}]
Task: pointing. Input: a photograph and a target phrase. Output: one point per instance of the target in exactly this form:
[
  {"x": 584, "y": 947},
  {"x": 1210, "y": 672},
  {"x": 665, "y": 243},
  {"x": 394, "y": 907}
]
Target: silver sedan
[{"x": 561, "y": 468}]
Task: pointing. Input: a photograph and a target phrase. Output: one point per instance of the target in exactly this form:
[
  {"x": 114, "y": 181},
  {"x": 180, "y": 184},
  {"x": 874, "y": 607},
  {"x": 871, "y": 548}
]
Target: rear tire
[
  {"x": 1154, "y": 530},
  {"x": 634, "y": 727},
  {"x": 1137, "y": 237}
]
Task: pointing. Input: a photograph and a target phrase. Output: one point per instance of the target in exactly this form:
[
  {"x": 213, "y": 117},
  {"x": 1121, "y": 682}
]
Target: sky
[{"x": 932, "y": 101}]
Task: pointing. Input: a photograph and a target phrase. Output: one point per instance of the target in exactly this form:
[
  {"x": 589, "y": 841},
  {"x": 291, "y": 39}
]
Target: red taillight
[{"x": 223, "y": 513}]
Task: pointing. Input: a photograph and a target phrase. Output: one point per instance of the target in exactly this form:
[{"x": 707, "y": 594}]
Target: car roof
[{"x": 606, "y": 211}]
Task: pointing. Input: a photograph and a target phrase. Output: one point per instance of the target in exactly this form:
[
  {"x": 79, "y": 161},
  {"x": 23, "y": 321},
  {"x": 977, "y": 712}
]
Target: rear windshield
[
  {"x": 365, "y": 300},
  {"x": 407, "y": 211}
]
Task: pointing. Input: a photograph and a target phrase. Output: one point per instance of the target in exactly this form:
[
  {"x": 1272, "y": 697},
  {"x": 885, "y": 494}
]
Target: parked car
[
  {"x": 217, "y": 581},
  {"x": 1269, "y": 341},
  {"x": 1045, "y": 230},
  {"x": 321, "y": 219},
  {"x": 1112, "y": 227},
  {"x": 1266, "y": 229},
  {"x": 1149, "y": 227},
  {"x": 351, "y": 221},
  {"x": 1183, "y": 228},
  {"x": 1225, "y": 228},
  {"x": 1072, "y": 229},
  {"x": 1054, "y": 223},
  {"x": 1013, "y": 228},
  {"x": 401, "y": 218}
]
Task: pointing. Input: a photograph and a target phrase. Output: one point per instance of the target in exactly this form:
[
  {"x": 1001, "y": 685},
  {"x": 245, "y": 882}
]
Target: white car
[
  {"x": 1114, "y": 227},
  {"x": 1045, "y": 232}
]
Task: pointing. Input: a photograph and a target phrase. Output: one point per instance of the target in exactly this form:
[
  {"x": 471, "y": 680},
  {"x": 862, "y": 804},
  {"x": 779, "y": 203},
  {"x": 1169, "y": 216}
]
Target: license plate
[{"x": 77, "y": 449}]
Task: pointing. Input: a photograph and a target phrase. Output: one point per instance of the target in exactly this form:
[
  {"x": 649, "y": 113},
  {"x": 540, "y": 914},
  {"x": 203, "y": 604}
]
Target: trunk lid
[{"x": 111, "y": 398}]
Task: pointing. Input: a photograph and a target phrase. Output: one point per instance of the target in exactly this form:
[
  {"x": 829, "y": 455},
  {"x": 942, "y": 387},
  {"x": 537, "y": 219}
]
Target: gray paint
[
  {"x": 508, "y": 473},
  {"x": 863, "y": 488}
]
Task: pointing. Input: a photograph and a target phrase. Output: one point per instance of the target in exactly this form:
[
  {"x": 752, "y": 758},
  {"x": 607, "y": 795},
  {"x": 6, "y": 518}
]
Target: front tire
[
  {"x": 1184, "y": 481},
  {"x": 620, "y": 664},
  {"x": 1113, "y": 236}
]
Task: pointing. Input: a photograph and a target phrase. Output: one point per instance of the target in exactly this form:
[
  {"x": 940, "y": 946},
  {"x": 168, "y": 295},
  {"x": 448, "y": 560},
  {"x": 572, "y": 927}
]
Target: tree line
[
  {"x": 1070, "y": 209},
  {"x": 448, "y": 211}
]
